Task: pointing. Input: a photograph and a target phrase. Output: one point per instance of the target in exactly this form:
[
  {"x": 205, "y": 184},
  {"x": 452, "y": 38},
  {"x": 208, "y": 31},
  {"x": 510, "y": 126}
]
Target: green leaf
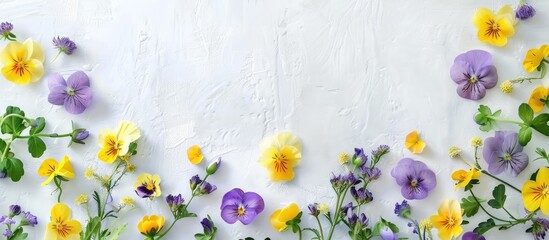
[
  {"x": 526, "y": 113},
  {"x": 40, "y": 125},
  {"x": 13, "y": 125},
  {"x": 540, "y": 123},
  {"x": 15, "y": 169},
  {"x": 540, "y": 151},
  {"x": 470, "y": 206},
  {"x": 543, "y": 69},
  {"x": 534, "y": 175},
  {"x": 483, "y": 119},
  {"x": 524, "y": 135},
  {"x": 499, "y": 197},
  {"x": 36, "y": 146},
  {"x": 484, "y": 227},
  {"x": 115, "y": 233},
  {"x": 3, "y": 146}
]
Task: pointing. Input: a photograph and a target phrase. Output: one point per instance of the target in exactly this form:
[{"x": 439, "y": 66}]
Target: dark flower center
[{"x": 493, "y": 29}]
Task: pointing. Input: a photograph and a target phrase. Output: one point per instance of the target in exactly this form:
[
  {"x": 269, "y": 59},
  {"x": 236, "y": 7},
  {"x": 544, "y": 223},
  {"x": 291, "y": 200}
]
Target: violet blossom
[
  {"x": 503, "y": 152},
  {"x": 474, "y": 72},
  {"x": 74, "y": 94},
  {"x": 64, "y": 45},
  {"x": 238, "y": 205},
  {"x": 525, "y": 11},
  {"x": 414, "y": 177},
  {"x": 471, "y": 236}
]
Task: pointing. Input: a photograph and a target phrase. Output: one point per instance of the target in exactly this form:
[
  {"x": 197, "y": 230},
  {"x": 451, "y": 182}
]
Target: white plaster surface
[{"x": 225, "y": 74}]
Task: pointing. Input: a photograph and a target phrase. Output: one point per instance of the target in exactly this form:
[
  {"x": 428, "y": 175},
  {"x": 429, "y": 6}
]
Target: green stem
[
  {"x": 336, "y": 216},
  {"x": 300, "y": 233},
  {"x": 502, "y": 181},
  {"x": 508, "y": 213},
  {"x": 56, "y": 56},
  {"x": 51, "y": 135},
  {"x": 506, "y": 120},
  {"x": 57, "y": 182},
  {"x": 167, "y": 230},
  {"x": 320, "y": 228},
  {"x": 483, "y": 209},
  {"x": 522, "y": 79}
]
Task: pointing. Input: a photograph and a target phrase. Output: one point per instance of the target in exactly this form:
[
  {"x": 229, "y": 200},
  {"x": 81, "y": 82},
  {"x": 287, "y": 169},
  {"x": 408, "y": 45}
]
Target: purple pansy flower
[
  {"x": 471, "y": 236},
  {"x": 415, "y": 178},
  {"x": 64, "y": 45},
  {"x": 75, "y": 93},
  {"x": 474, "y": 72},
  {"x": 503, "y": 152},
  {"x": 238, "y": 205},
  {"x": 525, "y": 11}
]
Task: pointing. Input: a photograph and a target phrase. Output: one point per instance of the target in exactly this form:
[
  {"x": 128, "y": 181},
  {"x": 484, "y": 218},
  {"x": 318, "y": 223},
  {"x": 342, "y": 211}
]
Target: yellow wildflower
[
  {"x": 61, "y": 226},
  {"x": 23, "y": 62},
  {"x": 506, "y": 87},
  {"x": 323, "y": 208},
  {"x": 476, "y": 142},
  {"x": 114, "y": 144},
  {"x": 535, "y": 194},
  {"x": 534, "y": 57},
  {"x": 150, "y": 226},
  {"x": 50, "y": 169},
  {"x": 537, "y": 97},
  {"x": 194, "y": 153},
  {"x": 448, "y": 220},
  {"x": 464, "y": 177},
  {"x": 89, "y": 173},
  {"x": 344, "y": 158},
  {"x": 81, "y": 199},
  {"x": 454, "y": 152}
]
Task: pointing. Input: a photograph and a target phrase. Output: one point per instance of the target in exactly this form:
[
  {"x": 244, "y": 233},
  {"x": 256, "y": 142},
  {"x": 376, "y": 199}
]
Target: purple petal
[
  {"x": 401, "y": 170},
  {"x": 518, "y": 162},
  {"x": 58, "y": 95},
  {"x": 143, "y": 192},
  {"x": 230, "y": 213},
  {"x": 56, "y": 80},
  {"x": 232, "y": 198},
  {"x": 253, "y": 201},
  {"x": 248, "y": 217},
  {"x": 84, "y": 95},
  {"x": 460, "y": 72},
  {"x": 429, "y": 180},
  {"x": 488, "y": 76},
  {"x": 477, "y": 59},
  {"x": 73, "y": 105},
  {"x": 472, "y": 91},
  {"x": 78, "y": 80},
  {"x": 411, "y": 193},
  {"x": 510, "y": 142}
]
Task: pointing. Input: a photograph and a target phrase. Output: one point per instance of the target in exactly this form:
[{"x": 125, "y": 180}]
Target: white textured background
[{"x": 225, "y": 74}]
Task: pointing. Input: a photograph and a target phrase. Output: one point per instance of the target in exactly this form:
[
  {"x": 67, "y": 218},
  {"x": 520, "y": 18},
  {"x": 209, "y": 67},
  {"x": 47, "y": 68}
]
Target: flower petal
[
  {"x": 58, "y": 95},
  {"x": 78, "y": 80},
  {"x": 253, "y": 201},
  {"x": 232, "y": 198},
  {"x": 73, "y": 105},
  {"x": 56, "y": 80},
  {"x": 34, "y": 49},
  {"x": 60, "y": 212},
  {"x": 127, "y": 128},
  {"x": 477, "y": 59},
  {"x": 84, "y": 95},
  {"x": 472, "y": 91},
  {"x": 459, "y": 71},
  {"x": 230, "y": 213},
  {"x": 529, "y": 193},
  {"x": 35, "y": 69},
  {"x": 248, "y": 217},
  {"x": 47, "y": 167},
  {"x": 488, "y": 76}
]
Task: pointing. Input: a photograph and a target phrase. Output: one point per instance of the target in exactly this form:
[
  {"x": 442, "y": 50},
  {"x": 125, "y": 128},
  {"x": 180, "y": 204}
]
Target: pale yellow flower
[
  {"x": 323, "y": 208},
  {"x": 127, "y": 201},
  {"x": 454, "y": 152},
  {"x": 344, "y": 158},
  {"x": 506, "y": 87},
  {"x": 81, "y": 199},
  {"x": 89, "y": 173},
  {"x": 476, "y": 142}
]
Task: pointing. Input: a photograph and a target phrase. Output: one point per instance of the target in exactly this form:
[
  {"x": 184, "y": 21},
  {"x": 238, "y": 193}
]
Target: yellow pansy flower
[
  {"x": 194, "y": 153},
  {"x": 151, "y": 225},
  {"x": 493, "y": 28},
  {"x": 61, "y": 226},
  {"x": 536, "y": 97},
  {"x": 448, "y": 220},
  {"x": 23, "y": 62},
  {"x": 464, "y": 177},
  {"x": 534, "y": 57},
  {"x": 279, "y": 217},
  {"x": 281, "y": 153},
  {"x": 413, "y": 143},
  {"x": 114, "y": 144},
  {"x": 51, "y": 169},
  {"x": 147, "y": 186},
  {"x": 535, "y": 194}
]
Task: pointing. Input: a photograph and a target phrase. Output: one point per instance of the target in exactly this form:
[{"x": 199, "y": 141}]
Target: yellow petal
[
  {"x": 275, "y": 221},
  {"x": 35, "y": 69},
  {"x": 47, "y": 167},
  {"x": 60, "y": 212},
  {"x": 508, "y": 13},
  {"x": 534, "y": 101},
  {"x": 65, "y": 168},
  {"x": 156, "y": 179},
  {"x": 278, "y": 173},
  {"x": 22, "y": 77},
  {"x": 108, "y": 142},
  {"x": 531, "y": 203},
  {"x": 194, "y": 154},
  {"x": 48, "y": 180},
  {"x": 75, "y": 228},
  {"x": 543, "y": 176},
  {"x": 288, "y": 139},
  {"x": 106, "y": 137},
  {"x": 107, "y": 155},
  {"x": 506, "y": 27},
  {"x": 279, "y": 218},
  {"x": 481, "y": 17},
  {"x": 268, "y": 156},
  {"x": 11, "y": 52},
  {"x": 292, "y": 154},
  {"x": 34, "y": 49},
  {"x": 128, "y": 129}
]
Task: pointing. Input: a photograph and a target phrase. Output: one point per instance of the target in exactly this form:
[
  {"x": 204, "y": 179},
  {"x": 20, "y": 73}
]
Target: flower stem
[
  {"x": 483, "y": 209},
  {"x": 56, "y": 56},
  {"x": 502, "y": 181},
  {"x": 58, "y": 184},
  {"x": 505, "y": 120},
  {"x": 167, "y": 230},
  {"x": 320, "y": 228},
  {"x": 336, "y": 216},
  {"x": 522, "y": 79},
  {"x": 51, "y": 135},
  {"x": 508, "y": 213}
]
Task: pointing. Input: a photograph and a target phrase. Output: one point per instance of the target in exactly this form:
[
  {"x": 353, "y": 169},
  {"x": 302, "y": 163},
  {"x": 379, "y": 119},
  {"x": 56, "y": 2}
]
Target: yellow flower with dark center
[
  {"x": 114, "y": 144},
  {"x": 279, "y": 217},
  {"x": 147, "y": 186},
  {"x": 194, "y": 153},
  {"x": 51, "y": 169},
  {"x": 534, "y": 57},
  {"x": 23, "y": 62},
  {"x": 61, "y": 226},
  {"x": 151, "y": 225},
  {"x": 537, "y": 97},
  {"x": 448, "y": 220},
  {"x": 464, "y": 177},
  {"x": 281, "y": 153},
  {"x": 535, "y": 194},
  {"x": 413, "y": 143},
  {"x": 493, "y": 28}
]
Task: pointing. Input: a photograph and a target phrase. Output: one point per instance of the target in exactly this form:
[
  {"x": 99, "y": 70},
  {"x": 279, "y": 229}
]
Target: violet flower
[
  {"x": 471, "y": 236},
  {"x": 75, "y": 93},
  {"x": 525, "y": 11},
  {"x": 415, "y": 178},
  {"x": 207, "y": 225},
  {"x": 14, "y": 210},
  {"x": 194, "y": 181},
  {"x": 206, "y": 188},
  {"x": 238, "y": 205},
  {"x": 474, "y": 72},
  {"x": 370, "y": 174},
  {"x": 353, "y": 219},
  {"x": 346, "y": 207},
  {"x": 7, "y": 233},
  {"x": 387, "y": 234},
  {"x": 29, "y": 219},
  {"x": 82, "y": 135},
  {"x": 503, "y": 152},
  {"x": 403, "y": 210},
  {"x": 174, "y": 201},
  {"x": 359, "y": 158},
  {"x": 5, "y": 31},
  {"x": 64, "y": 45},
  {"x": 362, "y": 195},
  {"x": 313, "y": 209},
  {"x": 539, "y": 228}
]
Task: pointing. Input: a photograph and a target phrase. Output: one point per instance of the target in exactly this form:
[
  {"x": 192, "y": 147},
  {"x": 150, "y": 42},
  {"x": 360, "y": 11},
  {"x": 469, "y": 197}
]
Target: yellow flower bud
[
  {"x": 344, "y": 158},
  {"x": 426, "y": 224},
  {"x": 454, "y": 152},
  {"x": 81, "y": 199},
  {"x": 476, "y": 142},
  {"x": 323, "y": 208},
  {"x": 506, "y": 87},
  {"x": 89, "y": 173}
]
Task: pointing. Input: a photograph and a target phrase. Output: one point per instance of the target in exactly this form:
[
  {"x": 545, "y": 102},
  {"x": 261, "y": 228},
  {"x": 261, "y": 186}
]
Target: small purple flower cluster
[{"x": 26, "y": 219}]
